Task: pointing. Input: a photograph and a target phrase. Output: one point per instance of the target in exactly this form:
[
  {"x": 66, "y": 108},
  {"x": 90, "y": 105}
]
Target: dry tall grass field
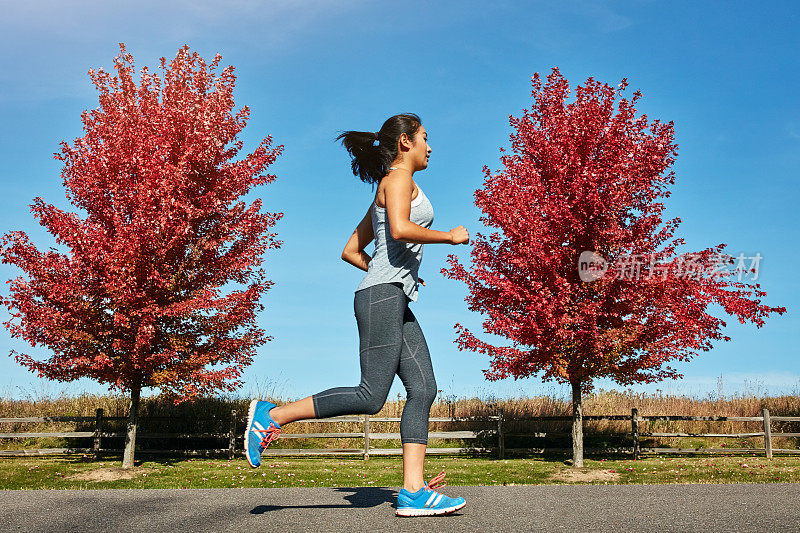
[{"x": 212, "y": 415}]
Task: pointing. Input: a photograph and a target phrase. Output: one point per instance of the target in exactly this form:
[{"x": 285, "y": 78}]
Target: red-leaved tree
[
  {"x": 576, "y": 277},
  {"x": 136, "y": 301}
]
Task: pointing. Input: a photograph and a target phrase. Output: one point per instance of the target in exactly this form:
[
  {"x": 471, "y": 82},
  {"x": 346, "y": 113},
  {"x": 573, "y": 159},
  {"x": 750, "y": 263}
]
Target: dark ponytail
[{"x": 371, "y": 162}]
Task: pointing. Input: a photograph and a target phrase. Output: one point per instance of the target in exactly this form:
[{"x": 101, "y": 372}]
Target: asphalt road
[{"x": 652, "y": 508}]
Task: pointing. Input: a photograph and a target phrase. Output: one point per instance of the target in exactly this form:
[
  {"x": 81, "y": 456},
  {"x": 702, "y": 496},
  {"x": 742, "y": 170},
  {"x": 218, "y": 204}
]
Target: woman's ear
[{"x": 405, "y": 141}]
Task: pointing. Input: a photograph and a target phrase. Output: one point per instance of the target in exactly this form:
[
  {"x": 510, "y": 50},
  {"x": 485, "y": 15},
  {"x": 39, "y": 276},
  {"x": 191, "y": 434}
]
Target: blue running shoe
[
  {"x": 426, "y": 501},
  {"x": 261, "y": 430}
]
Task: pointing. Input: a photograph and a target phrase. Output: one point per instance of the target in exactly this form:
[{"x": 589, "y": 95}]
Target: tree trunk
[
  {"x": 130, "y": 436},
  {"x": 577, "y": 426}
]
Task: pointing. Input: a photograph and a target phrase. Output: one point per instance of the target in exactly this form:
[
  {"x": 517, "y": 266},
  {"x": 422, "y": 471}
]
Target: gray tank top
[{"x": 396, "y": 261}]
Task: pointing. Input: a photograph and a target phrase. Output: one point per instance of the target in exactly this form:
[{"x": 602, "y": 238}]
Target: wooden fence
[
  {"x": 636, "y": 435},
  {"x": 494, "y": 429},
  {"x": 97, "y": 434}
]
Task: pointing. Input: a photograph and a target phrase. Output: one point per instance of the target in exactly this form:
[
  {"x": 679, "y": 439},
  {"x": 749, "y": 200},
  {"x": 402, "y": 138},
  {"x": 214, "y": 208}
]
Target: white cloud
[
  {"x": 605, "y": 19},
  {"x": 733, "y": 383},
  {"x": 48, "y": 47}
]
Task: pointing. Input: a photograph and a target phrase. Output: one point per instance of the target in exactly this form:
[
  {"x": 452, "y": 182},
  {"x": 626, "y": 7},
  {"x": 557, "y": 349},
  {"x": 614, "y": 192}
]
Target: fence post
[
  {"x": 366, "y": 437},
  {"x": 637, "y": 454},
  {"x": 98, "y": 423},
  {"x": 767, "y": 434},
  {"x": 501, "y": 442},
  {"x": 232, "y": 436}
]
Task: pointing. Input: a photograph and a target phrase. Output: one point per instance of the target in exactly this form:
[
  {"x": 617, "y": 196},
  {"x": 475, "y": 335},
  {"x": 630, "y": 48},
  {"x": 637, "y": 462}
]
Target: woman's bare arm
[
  {"x": 353, "y": 251},
  {"x": 399, "y": 188}
]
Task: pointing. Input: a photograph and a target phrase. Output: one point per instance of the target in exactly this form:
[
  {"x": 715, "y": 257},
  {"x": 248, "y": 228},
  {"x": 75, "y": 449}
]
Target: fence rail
[{"x": 494, "y": 431}]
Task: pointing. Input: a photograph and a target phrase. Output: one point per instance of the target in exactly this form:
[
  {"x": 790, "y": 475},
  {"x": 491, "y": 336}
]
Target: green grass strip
[{"x": 77, "y": 472}]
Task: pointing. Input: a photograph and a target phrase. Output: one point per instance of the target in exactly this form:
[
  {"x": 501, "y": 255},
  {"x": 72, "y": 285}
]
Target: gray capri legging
[{"x": 390, "y": 342}]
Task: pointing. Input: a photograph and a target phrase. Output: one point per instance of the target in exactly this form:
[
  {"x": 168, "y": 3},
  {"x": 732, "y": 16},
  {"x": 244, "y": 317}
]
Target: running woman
[{"x": 390, "y": 338}]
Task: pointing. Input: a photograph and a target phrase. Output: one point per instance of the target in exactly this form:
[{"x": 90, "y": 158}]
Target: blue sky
[{"x": 726, "y": 73}]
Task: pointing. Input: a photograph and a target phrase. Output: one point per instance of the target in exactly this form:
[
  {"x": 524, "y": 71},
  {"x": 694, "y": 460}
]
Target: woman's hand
[
  {"x": 421, "y": 281},
  {"x": 459, "y": 235}
]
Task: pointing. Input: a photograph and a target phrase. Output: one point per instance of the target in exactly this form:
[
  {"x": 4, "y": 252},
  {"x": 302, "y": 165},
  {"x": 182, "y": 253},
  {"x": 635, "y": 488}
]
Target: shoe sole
[
  {"x": 429, "y": 512},
  {"x": 251, "y": 411}
]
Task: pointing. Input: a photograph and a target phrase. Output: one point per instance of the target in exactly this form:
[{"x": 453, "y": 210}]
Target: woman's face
[{"x": 420, "y": 151}]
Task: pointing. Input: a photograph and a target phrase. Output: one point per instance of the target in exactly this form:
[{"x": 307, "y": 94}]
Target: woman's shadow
[{"x": 361, "y": 497}]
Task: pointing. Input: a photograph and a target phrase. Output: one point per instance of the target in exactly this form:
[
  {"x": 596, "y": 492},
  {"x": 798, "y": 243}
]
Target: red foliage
[
  {"x": 136, "y": 302},
  {"x": 583, "y": 177}
]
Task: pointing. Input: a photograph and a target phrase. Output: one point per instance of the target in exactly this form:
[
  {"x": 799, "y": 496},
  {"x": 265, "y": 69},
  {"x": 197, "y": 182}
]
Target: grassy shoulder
[{"x": 82, "y": 473}]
